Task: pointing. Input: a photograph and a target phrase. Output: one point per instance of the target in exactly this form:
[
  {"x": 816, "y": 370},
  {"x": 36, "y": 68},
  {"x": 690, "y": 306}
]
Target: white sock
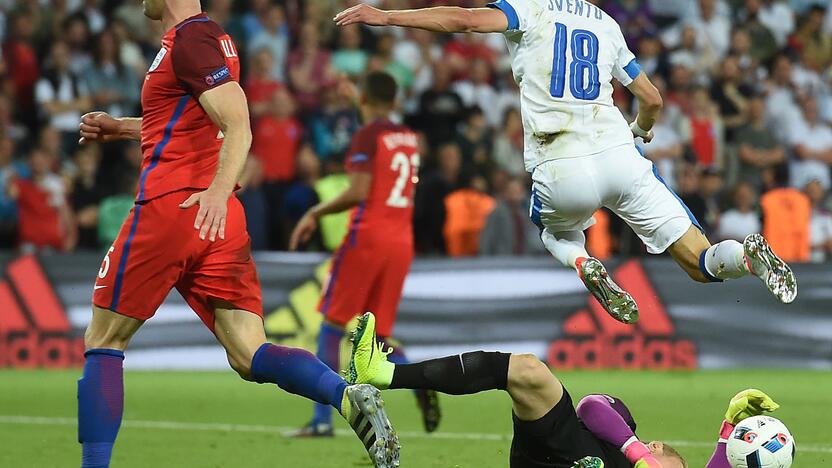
[
  {"x": 566, "y": 246},
  {"x": 725, "y": 260}
]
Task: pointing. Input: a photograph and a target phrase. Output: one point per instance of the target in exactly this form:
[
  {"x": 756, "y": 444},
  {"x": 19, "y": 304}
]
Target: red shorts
[
  {"x": 158, "y": 249},
  {"x": 366, "y": 279}
]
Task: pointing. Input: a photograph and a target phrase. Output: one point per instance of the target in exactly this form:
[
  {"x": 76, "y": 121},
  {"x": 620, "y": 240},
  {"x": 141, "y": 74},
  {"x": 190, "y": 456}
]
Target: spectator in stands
[
  {"x": 741, "y": 219},
  {"x": 778, "y": 18},
  {"x": 259, "y": 85},
  {"x": 467, "y": 210},
  {"x": 429, "y": 205},
  {"x": 810, "y": 41},
  {"x": 301, "y": 194},
  {"x": 22, "y": 64},
  {"x": 713, "y": 28},
  {"x": 350, "y": 58},
  {"x": 781, "y": 99},
  {"x": 418, "y": 51},
  {"x": 474, "y": 140},
  {"x": 507, "y": 229},
  {"x": 757, "y": 148},
  {"x": 309, "y": 68},
  {"x": 62, "y": 96},
  {"x": 731, "y": 95},
  {"x": 275, "y": 141},
  {"x": 706, "y": 129},
  {"x": 274, "y": 37},
  {"x": 763, "y": 40},
  {"x": 811, "y": 141},
  {"x": 9, "y": 127},
  {"x": 113, "y": 86},
  {"x": 508, "y": 145},
  {"x": 384, "y": 59},
  {"x": 331, "y": 128},
  {"x": 635, "y": 18},
  {"x": 665, "y": 149},
  {"x": 45, "y": 218},
  {"x": 786, "y": 219},
  {"x": 440, "y": 108},
  {"x": 476, "y": 91},
  {"x": 77, "y": 36},
  {"x": 652, "y": 57},
  {"x": 86, "y": 195},
  {"x": 821, "y": 225}
]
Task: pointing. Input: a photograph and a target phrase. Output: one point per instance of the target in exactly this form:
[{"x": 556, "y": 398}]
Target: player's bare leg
[
  {"x": 101, "y": 389},
  {"x": 300, "y": 372},
  {"x": 570, "y": 249},
  {"x": 533, "y": 389},
  {"x": 727, "y": 260}
]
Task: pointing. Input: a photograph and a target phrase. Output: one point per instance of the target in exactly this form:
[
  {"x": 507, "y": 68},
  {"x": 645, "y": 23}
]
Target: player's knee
[{"x": 527, "y": 372}]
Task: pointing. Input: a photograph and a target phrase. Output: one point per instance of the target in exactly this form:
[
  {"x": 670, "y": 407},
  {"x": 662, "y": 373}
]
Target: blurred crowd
[{"x": 744, "y": 138}]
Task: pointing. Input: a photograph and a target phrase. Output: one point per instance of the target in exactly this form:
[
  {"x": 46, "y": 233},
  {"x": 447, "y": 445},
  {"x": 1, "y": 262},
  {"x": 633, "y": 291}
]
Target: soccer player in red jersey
[
  {"x": 369, "y": 269},
  {"x": 188, "y": 231}
]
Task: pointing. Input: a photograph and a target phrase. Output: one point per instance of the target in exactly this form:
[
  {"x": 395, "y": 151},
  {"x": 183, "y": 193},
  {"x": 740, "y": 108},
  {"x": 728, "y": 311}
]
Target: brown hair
[
  {"x": 380, "y": 88},
  {"x": 670, "y": 451}
]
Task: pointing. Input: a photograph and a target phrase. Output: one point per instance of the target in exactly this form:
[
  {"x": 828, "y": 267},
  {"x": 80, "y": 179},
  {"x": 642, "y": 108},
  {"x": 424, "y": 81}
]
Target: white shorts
[{"x": 567, "y": 192}]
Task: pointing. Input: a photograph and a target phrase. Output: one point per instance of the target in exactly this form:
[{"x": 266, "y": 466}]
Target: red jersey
[
  {"x": 180, "y": 143},
  {"x": 390, "y": 153},
  {"x": 275, "y": 143}
]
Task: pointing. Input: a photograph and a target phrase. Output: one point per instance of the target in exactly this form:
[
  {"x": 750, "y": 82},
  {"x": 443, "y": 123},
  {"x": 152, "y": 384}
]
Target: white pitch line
[{"x": 221, "y": 427}]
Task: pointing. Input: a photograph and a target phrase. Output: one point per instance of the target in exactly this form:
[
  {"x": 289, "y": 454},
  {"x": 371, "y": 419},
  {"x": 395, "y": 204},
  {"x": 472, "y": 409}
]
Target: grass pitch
[{"x": 216, "y": 420}]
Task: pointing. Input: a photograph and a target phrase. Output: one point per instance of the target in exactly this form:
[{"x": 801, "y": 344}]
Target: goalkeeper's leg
[{"x": 532, "y": 387}]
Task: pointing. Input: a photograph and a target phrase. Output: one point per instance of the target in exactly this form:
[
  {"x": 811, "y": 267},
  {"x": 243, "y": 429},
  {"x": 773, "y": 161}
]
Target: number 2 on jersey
[
  {"x": 405, "y": 166},
  {"x": 584, "y": 77}
]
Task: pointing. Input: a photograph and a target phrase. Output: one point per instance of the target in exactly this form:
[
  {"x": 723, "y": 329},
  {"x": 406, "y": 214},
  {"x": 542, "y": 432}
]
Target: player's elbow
[{"x": 527, "y": 372}]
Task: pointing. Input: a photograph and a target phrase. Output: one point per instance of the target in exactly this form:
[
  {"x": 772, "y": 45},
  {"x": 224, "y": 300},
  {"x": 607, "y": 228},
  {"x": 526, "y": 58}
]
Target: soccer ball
[{"x": 760, "y": 442}]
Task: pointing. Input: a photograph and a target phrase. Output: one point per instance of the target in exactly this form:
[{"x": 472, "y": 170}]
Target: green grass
[{"x": 685, "y": 407}]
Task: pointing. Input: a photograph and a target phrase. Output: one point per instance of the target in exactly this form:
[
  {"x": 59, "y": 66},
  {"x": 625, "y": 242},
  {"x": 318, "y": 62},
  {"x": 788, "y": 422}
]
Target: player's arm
[
  {"x": 227, "y": 107},
  {"x": 437, "y": 19},
  {"x": 355, "y": 194},
  {"x": 649, "y": 106},
  {"x": 745, "y": 404},
  {"x": 609, "y": 424},
  {"x": 101, "y": 127}
]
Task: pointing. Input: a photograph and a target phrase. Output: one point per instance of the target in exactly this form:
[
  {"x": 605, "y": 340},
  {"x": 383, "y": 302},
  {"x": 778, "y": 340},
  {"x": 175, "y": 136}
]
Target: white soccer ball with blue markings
[{"x": 761, "y": 442}]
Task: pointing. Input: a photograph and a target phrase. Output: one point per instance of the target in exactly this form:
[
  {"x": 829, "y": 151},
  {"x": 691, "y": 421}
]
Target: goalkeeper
[{"x": 549, "y": 431}]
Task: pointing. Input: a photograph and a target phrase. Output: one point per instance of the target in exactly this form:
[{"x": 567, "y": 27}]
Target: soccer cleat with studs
[
  {"x": 589, "y": 462},
  {"x": 618, "y": 303},
  {"x": 370, "y": 423},
  {"x": 368, "y": 361},
  {"x": 772, "y": 270}
]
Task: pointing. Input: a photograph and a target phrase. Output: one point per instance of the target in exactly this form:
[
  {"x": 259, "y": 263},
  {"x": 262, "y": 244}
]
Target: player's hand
[
  {"x": 748, "y": 403},
  {"x": 213, "y": 209},
  {"x": 99, "y": 126},
  {"x": 303, "y": 231},
  {"x": 362, "y": 14}
]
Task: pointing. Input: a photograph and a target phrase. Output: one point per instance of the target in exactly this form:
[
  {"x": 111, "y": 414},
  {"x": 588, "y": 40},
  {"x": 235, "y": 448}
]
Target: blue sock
[
  {"x": 329, "y": 352},
  {"x": 100, "y": 405},
  {"x": 298, "y": 371}
]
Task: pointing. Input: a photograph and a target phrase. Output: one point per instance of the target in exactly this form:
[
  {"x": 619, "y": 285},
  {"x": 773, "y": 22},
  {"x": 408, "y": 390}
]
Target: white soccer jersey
[{"x": 565, "y": 54}]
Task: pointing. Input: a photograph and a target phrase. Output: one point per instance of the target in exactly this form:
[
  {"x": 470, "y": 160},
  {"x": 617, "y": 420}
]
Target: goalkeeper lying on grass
[{"x": 549, "y": 431}]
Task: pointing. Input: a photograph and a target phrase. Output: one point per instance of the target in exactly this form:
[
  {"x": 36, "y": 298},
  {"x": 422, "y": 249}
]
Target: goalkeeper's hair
[
  {"x": 670, "y": 451},
  {"x": 380, "y": 88}
]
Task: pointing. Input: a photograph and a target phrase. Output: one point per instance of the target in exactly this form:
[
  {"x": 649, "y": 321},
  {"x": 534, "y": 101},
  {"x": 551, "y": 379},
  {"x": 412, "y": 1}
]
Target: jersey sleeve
[
  {"x": 626, "y": 68},
  {"x": 198, "y": 60},
  {"x": 516, "y": 11},
  {"x": 362, "y": 151},
  {"x": 604, "y": 420}
]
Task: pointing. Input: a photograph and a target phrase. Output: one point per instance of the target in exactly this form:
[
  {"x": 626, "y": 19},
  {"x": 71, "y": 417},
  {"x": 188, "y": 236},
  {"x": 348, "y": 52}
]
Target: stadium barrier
[{"x": 512, "y": 304}]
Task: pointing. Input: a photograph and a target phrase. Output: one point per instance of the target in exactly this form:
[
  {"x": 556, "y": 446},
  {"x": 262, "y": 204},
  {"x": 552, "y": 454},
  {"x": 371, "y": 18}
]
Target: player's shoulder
[{"x": 198, "y": 27}]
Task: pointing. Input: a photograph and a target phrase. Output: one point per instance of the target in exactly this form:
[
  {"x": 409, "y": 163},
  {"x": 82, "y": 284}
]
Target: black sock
[{"x": 462, "y": 374}]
